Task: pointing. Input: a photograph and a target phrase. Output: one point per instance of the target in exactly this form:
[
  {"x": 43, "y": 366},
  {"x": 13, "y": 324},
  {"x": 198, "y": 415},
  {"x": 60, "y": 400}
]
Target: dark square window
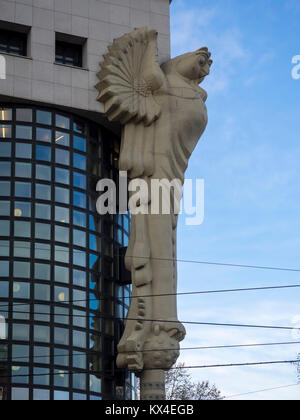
[
  {"x": 12, "y": 42},
  {"x": 68, "y": 54}
]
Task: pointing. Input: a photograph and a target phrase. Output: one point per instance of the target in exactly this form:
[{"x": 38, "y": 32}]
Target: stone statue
[{"x": 163, "y": 113}]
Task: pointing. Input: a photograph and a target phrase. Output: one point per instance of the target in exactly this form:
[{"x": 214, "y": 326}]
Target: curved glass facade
[{"x": 60, "y": 271}]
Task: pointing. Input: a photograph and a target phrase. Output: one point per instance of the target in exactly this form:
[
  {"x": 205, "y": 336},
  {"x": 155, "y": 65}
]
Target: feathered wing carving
[{"x": 129, "y": 75}]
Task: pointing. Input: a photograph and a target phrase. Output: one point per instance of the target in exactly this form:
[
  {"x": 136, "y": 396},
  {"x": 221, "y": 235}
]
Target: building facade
[{"x": 64, "y": 292}]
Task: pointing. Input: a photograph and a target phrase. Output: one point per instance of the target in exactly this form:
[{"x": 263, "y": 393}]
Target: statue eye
[{"x": 202, "y": 61}]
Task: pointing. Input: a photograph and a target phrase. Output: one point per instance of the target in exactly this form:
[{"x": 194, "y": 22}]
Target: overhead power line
[
  {"x": 204, "y": 292},
  {"x": 259, "y": 391},
  {"x": 233, "y": 346},
  {"x": 275, "y": 362}
]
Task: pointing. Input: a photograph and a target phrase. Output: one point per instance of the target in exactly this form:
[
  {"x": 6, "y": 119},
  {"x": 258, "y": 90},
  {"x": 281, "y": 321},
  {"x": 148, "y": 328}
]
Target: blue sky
[{"x": 249, "y": 158}]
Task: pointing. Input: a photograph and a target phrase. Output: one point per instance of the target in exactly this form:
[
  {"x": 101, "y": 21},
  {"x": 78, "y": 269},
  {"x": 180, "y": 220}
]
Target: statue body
[{"x": 164, "y": 114}]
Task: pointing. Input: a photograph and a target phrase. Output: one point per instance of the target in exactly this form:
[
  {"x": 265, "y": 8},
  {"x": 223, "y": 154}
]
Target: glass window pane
[
  {"x": 62, "y": 254},
  {"x": 79, "y": 161},
  {"x": 4, "y": 208},
  {"x": 79, "y": 180},
  {"x": 61, "y": 294},
  {"x": 5, "y": 169},
  {"x": 43, "y": 192},
  {"x": 23, "y": 132},
  {"x": 20, "y": 332},
  {"x": 5, "y": 114},
  {"x": 79, "y": 238},
  {"x": 42, "y": 231},
  {"x": 79, "y": 218},
  {"x": 79, "y": 199},
  {"x": 21, "y": 314},
  {"x": 79, "y": 381},
  {"x": 4, "y": 248},
  {"x": 62, "y": 215},
  {"x": 79, "y": 298},
  {"x": 62, "y": 122},
  {"x": 61, "y": 379},
  {"x": 79, "y": 258},
  {"x": 4, "y": 268},
  {"x": 61, "y": 315},
  {"x": 43, "y": 172},
  {"x": 62, "y": 139},
  {"x": 42, "y": 292},
  {"x": 20, "y": 394},
  {"x": 61, "y": 357},
  {"x": 62, "y": 234},
  {"x": 42, "y": 313},
  {"x": 79, "y": 278},
  {"x": 4, "y": 227},
  {"x": 43, "y": 211},
  {"x": 79, "y": 319},
  {"x": 24, "y": 115},
  {"x": 20, "y": 374},
  {"x": 22, "y": 209},
  {"x": 62, "y": 195},
  {"x": 23, "y": 189},
  {"x": 61, "y": 336},
  {"x": 61, "y": 274},
  {"x": 20, "y": 353},
  {"x": 61, "y": 395},
  {"x": 23, "y": 170},
  {"x": 22, "y": 249},
  {"x": 41, "y": 395},
  {"x": 41, "y": 376},
  {"x": 79, "y": 127},
  {"x": 5, "y": 131},
  {"x": 42, "y": 355},
  {"x": 42, "y": 334},
  {"x": 42, "y": 251},
  {"x": 22, "y": 269},
  {"x": 43, "y": 134},
  {"x": 22, "y": 229},
  {"x": 79, "y": 359},
  {"x": 62, "y": 176},
  {"x": 21, "y": 291},
  {"x": 62, "y": 157},
  {"x": 5, "y": 148},
  {"x": 79, "y": 143},
  {"x": 5, "y": 188},
  {"x": 42, "y": 271},
  {"x": 79, "y": 339},
  {"x": 43, "y": 117},
  {"x": 4, "y": 287},
  {"x": 43, "y": 153},
  {"x": 23, "y": 151}
]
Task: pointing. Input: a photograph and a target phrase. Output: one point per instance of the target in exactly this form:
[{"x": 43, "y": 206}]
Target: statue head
[{"x": 194, "y": 66}]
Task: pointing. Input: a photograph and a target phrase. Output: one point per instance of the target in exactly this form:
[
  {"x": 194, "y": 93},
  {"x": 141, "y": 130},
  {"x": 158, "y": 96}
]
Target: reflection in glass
[
  {"x": 79, "y": 238},
  {"x": 42, "y": 334},
  {"x": 42, "y": 292},
  {"x": 5, "y": 148},
  {"x": 79, "y": 218},
  {"x": 79, "y": 143},
  {"x": 62, "y": 234},
  {"x": 4, "y": 227},
  {"x": 43, "y": 134},
  {"x": 42, "y": 355},
  {"x": 61, "y": 356},
  {"x": 62, "y": 139},
  {"x": 61, "y": 294},
  {"x": 20, "y": 374},
  {"x": 62, "y": 195},
  {"x": 42, "y": 271},
  {"x": 20, "y": 394},
  {"x": 61, "y": 274},
  {"x": 4, "y": 208},
  {"x": 62, "y": 214},
  {"x": 5, "y": 188},
  {"x": 62, "y": 254},
  {"x": 5, "y": 114},
  {"x": 5, "y": 131},
  {"x": 42, "y": 251},
  {"x": 20, "y": 332},
  {"x": 61, "y": 315},
  {"x": 62, "y": 122},
  {"x": 4, "y": 249},
  {"x": 42, "y": 313},
  {"x": 79, "y": 180},
  {"x": 79, "y": 278},
  {"x": 79, "y": 199},
  {"x": 61, "y": 379},
  {"x": 42, "y": 231},
  {"x": 79, "y": 161},
  {"x": 21, "y": 290},
  {"x": 41, "y": 395},
  {"x": 4, "y": 268},
  {"x": 61, "y": 336}
]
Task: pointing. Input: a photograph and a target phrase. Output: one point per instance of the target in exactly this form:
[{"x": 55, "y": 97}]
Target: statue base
[{"x": 153, "y": 385}]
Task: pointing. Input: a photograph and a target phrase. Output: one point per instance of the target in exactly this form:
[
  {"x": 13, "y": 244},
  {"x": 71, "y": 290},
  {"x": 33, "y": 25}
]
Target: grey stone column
[{"x": 153, "y": 385}]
